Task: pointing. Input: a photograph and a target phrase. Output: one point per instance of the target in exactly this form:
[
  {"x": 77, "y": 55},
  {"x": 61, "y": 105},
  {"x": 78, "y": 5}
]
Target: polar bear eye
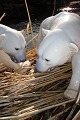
[
  {"x": 47, "y": 60},
  {"x": 25, "y": 46},
  {"x": 16, "y": 48}
]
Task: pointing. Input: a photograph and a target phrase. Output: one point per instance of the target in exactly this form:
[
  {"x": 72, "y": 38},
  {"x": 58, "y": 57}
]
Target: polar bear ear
[
  {"x": 2, "y": 37},
  {"x": 22, "y": 32},
  {"x": 73, "y": 48},
  {"x": 45, "y": 32}
]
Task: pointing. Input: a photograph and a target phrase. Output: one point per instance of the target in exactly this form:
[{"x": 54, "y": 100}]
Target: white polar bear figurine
[
  {"x": 12, "y": 46},
  {"x": 59, "y": 42}
]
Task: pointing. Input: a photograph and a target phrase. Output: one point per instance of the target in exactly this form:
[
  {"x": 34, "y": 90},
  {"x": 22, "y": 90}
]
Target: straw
[
  {"x": 30, "y": 23},
  {"x": 2, "y": 16}
]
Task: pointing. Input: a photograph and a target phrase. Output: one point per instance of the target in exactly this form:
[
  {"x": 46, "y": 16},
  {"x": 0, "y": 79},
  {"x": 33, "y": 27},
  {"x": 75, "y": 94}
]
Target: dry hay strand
[
  {"x": 2, "y": 16},
  {"x": 30, "y": 23},
  {"x": 22, "y": 96}
]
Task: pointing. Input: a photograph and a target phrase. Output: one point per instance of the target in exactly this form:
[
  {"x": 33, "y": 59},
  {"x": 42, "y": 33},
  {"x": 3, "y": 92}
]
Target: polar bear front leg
[
  {"x": 5, "y": 58},
  {"x": 72, "y": 90}
]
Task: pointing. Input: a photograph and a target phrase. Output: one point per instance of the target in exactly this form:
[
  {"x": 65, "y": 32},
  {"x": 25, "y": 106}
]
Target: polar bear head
[
  {"x": 55, "y": 49},
  {"x": 13, "y": 43}
]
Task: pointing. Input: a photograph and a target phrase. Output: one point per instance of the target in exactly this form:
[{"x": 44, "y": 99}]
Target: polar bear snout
[
  {"x": 41, "y": 66},
  {"x": 20, "y": 56}
]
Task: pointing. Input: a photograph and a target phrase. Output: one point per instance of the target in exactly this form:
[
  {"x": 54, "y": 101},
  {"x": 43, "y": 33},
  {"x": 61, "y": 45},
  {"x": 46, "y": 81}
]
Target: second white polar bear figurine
[
  {"x": 12, "y": 46},
  {"x": 59, "y": 42}
]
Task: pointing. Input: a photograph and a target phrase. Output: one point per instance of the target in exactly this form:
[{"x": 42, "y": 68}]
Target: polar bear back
[{"x": 68, "y": 22}]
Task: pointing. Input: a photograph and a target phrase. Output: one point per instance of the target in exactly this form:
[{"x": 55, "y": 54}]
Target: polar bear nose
[
  {"x": 23, "y": 60},
  {"x": 41, "y": 66},
  {"x": 20, "y": 56}
]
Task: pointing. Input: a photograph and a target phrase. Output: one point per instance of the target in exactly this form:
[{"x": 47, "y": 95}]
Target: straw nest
[
  {"x": 28, "y": 95},
  {"x": 32, "y": 95}
]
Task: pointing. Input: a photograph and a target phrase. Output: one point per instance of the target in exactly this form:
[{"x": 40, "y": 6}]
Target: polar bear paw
[
  {"x": 23, "y": 67},
  {"x": 70, "y": 93}
]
